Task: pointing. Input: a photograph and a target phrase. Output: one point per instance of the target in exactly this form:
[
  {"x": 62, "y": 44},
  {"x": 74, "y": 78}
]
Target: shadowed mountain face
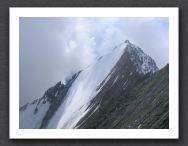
[
  {"x": 143, "y": 104},
  {"x": 124, "y": 89}
]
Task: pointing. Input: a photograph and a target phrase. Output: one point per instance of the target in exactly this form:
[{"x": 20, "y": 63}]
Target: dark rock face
[
  {"x": 133, "y": 97},
  {"x": 143, "y": 104},
  {"x": 54, "y": 96}
]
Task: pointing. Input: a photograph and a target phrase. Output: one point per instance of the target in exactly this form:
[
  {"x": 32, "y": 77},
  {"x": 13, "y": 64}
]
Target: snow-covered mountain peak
[
  {"x": 143, "y": 62},
  {"x": 127, "y": 41}
]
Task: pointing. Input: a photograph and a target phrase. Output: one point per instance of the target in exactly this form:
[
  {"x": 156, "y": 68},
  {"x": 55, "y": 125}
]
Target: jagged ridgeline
[{"x": 123, "y": 89}]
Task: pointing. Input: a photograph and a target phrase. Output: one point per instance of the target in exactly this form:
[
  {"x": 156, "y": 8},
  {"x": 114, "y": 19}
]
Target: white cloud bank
[{"x": 52, "y": 49}]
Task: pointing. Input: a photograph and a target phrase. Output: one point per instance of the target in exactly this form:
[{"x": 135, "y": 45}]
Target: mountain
[{"x": 123, "y": 89}]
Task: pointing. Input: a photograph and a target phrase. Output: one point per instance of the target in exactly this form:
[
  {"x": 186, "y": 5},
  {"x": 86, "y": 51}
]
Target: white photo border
[{"x": 172, "y": 133}]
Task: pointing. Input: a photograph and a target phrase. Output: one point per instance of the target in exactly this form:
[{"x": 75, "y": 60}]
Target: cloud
[{"x": 52, "y": 49}]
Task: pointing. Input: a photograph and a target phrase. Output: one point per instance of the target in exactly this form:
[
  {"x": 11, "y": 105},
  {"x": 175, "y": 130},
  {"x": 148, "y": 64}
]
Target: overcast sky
[{"x": 52, "y": 49}]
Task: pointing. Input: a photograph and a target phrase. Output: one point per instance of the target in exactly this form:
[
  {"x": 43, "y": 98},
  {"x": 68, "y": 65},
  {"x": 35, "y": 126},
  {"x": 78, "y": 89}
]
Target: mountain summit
[{"x": 119, "y": 90}]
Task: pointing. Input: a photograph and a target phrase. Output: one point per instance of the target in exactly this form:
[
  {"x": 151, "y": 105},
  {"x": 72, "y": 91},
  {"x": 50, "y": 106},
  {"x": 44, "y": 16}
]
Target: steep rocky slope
[
  {"x": 146, "y": 105},
  {"x": 123, "y": 89}
]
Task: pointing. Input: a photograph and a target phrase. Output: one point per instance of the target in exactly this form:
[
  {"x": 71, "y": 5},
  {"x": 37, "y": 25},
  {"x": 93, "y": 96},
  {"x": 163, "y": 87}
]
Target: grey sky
[{"x": 52, "y": 49}]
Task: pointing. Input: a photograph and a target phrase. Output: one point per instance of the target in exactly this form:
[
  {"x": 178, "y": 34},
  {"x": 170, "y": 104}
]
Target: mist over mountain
[
  {"x": 48, "y": 45},
  {"x": 122, "y": 89}
]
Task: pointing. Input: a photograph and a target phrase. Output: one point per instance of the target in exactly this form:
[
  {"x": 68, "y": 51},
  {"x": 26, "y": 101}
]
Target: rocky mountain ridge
[{"x": 123, "y": 89}]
